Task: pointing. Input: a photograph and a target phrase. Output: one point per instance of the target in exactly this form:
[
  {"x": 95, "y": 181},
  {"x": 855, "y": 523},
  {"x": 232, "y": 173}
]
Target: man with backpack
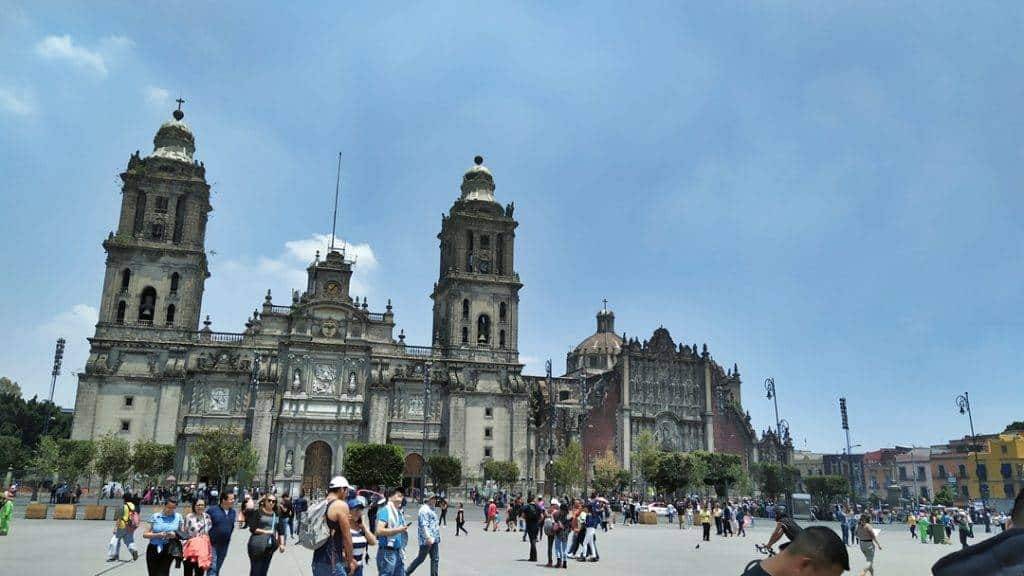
[
  {"x": 327, "y": 530},
  {"x": 125, "y": 524},
  {"x": 531, "y": 516}
]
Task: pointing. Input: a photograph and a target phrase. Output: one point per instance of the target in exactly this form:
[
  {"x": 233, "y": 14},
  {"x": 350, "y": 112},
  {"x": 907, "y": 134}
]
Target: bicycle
[{"x": 761, "y": 549}]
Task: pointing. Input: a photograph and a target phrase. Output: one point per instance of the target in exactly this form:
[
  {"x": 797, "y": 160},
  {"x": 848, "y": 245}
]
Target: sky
[{"x": 828, "y": 194}]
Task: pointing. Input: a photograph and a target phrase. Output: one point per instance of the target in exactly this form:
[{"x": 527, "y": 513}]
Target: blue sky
[{"x": 825, "y": 193}]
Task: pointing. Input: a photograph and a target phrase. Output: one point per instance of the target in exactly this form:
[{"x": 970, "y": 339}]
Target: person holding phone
[
  {"x": 392, "y": 534},
  {"x": 163, "y": 528}
]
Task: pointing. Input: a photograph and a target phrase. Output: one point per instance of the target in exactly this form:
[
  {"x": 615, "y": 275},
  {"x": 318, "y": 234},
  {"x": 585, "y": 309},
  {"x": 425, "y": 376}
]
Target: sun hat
[{"x": 338, "y": 482}]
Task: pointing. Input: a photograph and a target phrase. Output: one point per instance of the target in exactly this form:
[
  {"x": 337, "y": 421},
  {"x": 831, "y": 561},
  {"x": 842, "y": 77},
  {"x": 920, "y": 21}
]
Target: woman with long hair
[
  {"x": 197, "y": 524},
  {"x": 267, "y": 535},
  {"x": 868, "y": 537},
  {"x": 162, "y": 534}
]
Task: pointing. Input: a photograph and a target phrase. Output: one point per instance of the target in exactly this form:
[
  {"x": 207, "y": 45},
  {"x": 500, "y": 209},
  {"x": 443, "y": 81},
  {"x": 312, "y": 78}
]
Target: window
[
  {"x": 903, "y": 473},
  {"x": 1008, "y": 492},
  {"x": 469, "y": 250},
  {"x": 126, "y": 425},
  {"x": 984, "y": 490},
  {"x": 1006, "y": 470},
  {"x": 502, "y": 312},
  {"x": 465, "y": 335},
  {"x": 485, "y": 242},
  {"x": 121, "y": 306},
  {"x": 488, "y": 432},
  {"x": 501, "y": 253},
  {"x": 170, "y": 315},
  {"x": 924, "y": 492},
  {"x": 147, "y": 304},
  {"x": 563, "y": 395},
  {"x": 488, "y": 412},
  {"x": 961, "y": 471},
  {"x": 465, "y": 309},
  {"x": 1003, "y": 448},
  {"x": 501, "y": 339},
  {"x": 963, "y": 490},
  {"x": 487, "y": 451},
  {"x": 179, "y": 220},
  {"x": 157, "y": 232},
  {"x": 129, "y": 401},
  {"x": 126, "y": 278},
  {"x": 593, "y": 361},
  {"x": 161, "y": 204},
  {"x": 942, "y": 471},
  {"x": 982, "y": 472},
  {"x": 174, "y": 282},
  {"x": 920, "y": 472},
  {"x": 483, "y": 330},
  {"x": 140, "y": 214}
]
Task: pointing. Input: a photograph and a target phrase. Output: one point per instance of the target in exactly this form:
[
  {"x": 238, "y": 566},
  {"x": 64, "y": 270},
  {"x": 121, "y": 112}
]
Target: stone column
[
  {"x": 709, "y": 428},
  {"x": 626, "y": 415},
  {"x": 377, "y": 428}
]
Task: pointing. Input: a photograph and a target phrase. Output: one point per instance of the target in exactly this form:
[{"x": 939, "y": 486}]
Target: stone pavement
[{"x": 77, "y": 547}]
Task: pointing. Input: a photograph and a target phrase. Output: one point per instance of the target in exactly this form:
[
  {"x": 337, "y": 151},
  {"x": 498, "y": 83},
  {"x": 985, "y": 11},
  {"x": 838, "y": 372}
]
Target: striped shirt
[{"x": 358, "y": 545}]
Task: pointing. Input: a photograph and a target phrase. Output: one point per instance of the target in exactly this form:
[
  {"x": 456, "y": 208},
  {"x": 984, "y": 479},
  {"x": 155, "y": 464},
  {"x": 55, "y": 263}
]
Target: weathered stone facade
[{"x": 307, "y": 378}]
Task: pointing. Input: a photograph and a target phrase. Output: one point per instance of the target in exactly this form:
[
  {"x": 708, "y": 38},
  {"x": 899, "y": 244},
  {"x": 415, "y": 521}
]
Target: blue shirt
[
  {"x": 223, "y": 523},
  {"x": 162, "y": 523},
  {"x": 428, "y": 525},
  {"x": 398, "y": 540}
]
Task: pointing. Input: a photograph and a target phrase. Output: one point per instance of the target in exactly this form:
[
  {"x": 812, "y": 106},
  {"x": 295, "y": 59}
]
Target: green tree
[
  {"x": 223, "y": 453},
  {"x": 9, "y": 387},
  {"x": 46, "y": 461},
  {"x": 445, "y": 471},
  {"x": 374, "y": 465},
  {"x": 505, "y": 473},
  {"x": 26, "y": 419},
  {"x": 721, "y": 470},
  {"x": 944, "y": 497},
  {"x": 113, "y": 458},
  {"x": 567, "y": 470},
  {"x": 1016, "y": 426},
  {"x": 646, "y": 455},
  {"x": 607, "y": 473},
  {"x": 824, "y": 490},
  {"x": 76, "y": 458},
  {"x": 13, "y": 454},
  {"x": 674, "y": 472},
  {"x": 153, "y": 461},
  {"x": 774, "y": 480}
]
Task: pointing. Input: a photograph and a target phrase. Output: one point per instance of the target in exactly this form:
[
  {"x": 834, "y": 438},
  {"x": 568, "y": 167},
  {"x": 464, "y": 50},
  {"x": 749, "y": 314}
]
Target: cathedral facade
[{"x": 311, "y": 375}]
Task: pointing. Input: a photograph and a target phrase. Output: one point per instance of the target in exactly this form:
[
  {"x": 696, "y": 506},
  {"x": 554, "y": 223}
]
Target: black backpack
[{"x": 530, "y": 513}]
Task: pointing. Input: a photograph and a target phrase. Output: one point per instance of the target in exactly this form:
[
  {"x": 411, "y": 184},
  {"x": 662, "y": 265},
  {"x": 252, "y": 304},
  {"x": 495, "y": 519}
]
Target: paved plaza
[{"x": 44, "y": 547}]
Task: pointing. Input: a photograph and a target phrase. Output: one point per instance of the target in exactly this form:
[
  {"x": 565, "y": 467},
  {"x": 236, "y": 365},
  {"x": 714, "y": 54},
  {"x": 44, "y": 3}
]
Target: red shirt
[{"x": 492, "y": 509}]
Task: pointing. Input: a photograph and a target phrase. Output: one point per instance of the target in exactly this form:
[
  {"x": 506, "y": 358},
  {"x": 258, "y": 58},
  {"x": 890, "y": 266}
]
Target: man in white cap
[{"x": 335, "y": 557}]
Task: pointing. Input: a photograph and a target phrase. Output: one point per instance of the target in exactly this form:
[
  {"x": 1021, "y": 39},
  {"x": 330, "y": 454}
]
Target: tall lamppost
[
  {"x": 963, "y": 402},
  {"x": 849, "y": 456},
  {"x": 58, "y": 360},
  {"x": 426, "y": 412},
  {"x": 551, "y": 427}
]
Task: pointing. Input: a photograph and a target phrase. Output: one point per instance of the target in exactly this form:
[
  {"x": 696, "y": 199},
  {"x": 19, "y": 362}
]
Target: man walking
[
  {"x": 124, "y": 531},
  {"x": 841, "y": 518},
  {"x": 429, "y": 536},
  {"x": 531, "y": 516},
  {"x": 222, "y": 523},
  {"x": 391, "y": 536},
  {"x": 335, "y": 557},
  {"x": 299, "y": 507}
]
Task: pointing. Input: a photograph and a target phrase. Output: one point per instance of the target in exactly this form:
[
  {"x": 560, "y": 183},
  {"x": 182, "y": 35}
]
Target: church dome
[
  {"x": 174, "y": 140},
  {"x": 478, "y": 183},
  {"x": 605, "y": 340}
]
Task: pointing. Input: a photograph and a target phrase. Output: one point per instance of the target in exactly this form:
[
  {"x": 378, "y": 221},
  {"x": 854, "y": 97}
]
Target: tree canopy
[
  {"x": 113, "y": 458},
  {"x": 567, "y": 470},
  {"x": 774, "y": 479},
  {"x": 676, "y": 471},
  {"x": 721, "y": 470},
  {"x": 374, "y": 465},
  {"x": 153, "y": 461},
  {"x": 503, "y": 472},
  {"x": 646, "y": 455},
  {"x": 26, "y": 419},
  {"x": 825, "y": 489},
  {"x": 445, "y": 471},
  {"x": 222, "y": 453},
  {"x": 608, "y": 474},
  {"x": 9, "y": 387}
]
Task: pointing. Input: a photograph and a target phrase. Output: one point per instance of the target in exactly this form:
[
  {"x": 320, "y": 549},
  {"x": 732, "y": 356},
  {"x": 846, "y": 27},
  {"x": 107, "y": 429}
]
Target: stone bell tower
[
  {"x": 156, "y": 261},
  {"x": 476, "y": 297}
]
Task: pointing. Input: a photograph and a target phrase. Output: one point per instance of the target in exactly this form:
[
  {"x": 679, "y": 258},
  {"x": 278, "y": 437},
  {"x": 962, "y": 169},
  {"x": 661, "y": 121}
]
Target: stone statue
[
  {"x": 351, "y": 382},
  {"x": 297, "y": 380},
  {"x": 289, "y": 465}
]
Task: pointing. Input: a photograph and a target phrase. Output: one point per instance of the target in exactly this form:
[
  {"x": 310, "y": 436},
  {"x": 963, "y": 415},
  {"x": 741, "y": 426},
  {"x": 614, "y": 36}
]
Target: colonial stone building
[{"x": 313, "y": 374}]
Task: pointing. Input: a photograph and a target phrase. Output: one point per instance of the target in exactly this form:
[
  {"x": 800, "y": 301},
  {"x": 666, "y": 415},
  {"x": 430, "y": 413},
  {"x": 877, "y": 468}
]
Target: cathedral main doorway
[
  {"x": 411, "y": 479},
  {"x": 316, "y": 471}
]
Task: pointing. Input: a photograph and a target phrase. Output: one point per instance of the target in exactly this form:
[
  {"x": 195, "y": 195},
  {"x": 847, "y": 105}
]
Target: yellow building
[{"x": 995, "y": 473}]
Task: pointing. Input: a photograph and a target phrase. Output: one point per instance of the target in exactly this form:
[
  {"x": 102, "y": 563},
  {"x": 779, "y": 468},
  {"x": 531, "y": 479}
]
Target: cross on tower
[
  {"x": 180, "y": 101},
  {"x": 605, "y": 301}
]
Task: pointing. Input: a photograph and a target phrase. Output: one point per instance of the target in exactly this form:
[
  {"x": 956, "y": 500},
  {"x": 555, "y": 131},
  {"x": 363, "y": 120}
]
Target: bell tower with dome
[
  {"x": 156, "y": 260},
  {"x": 476, "y": 297}
]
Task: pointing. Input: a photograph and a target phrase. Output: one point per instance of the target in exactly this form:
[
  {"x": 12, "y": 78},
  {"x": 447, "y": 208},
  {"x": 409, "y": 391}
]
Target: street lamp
[
  {"x": 769, "y": 387},
  {"x": 963, "y": 402}
]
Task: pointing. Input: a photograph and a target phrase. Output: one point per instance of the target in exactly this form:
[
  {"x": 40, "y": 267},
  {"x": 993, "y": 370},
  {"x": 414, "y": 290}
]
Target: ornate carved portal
[
  {"x": 411, "y": 475},
  {"x": 316, "y": 471}
]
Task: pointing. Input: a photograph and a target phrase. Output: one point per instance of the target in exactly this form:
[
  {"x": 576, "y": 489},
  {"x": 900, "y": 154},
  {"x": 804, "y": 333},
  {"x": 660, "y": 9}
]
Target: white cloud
[
  {"x": 64, "y": 48},
  {"x": 157, "y": 96},
  {"x": 17, "y": 102},
  {"x": 75, "y": 326}
]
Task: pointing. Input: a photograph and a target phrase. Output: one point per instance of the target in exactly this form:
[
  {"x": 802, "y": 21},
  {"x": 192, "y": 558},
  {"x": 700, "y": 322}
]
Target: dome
[
  {"x": 608, "y": 342},
  {"x": 174, "y": 140},
  {"x": 478, "y": 182}
]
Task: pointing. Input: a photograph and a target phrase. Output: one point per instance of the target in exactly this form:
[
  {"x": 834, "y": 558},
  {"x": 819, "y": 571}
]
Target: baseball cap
[
  {"x": 554, "y": 501},
  {"x": 356, "y": 503},
  {"x": 338, "y": 482}
]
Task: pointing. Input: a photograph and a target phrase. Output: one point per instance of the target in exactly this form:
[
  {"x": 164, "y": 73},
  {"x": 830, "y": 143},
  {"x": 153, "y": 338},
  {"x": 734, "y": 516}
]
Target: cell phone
[{"x": 408, "y": 524}]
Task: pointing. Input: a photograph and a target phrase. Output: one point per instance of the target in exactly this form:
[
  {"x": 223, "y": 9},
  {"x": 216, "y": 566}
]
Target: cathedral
[{"x": 310, "y": 375}]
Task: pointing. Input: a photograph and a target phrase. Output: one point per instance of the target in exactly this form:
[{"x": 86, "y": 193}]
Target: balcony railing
[{"x": 375, "y": 316}]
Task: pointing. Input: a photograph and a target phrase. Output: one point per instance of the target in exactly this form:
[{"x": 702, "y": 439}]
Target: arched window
[
  {"x": 174, "y": 283},
  {"x": 126, "y": 278},
  {"x": 501, "y": 339},
  {"x": 121, "y": 307},
  {"x": 170, "y": 314},
  {"x": 483, "y": 330},
  {"x": 465, "y": 309},
  {"x": 147, "y": 304},
  {"x": 465, "y": 335},
  {"x": 469, "y": 250},
  {"x": 502, "y": 312}
]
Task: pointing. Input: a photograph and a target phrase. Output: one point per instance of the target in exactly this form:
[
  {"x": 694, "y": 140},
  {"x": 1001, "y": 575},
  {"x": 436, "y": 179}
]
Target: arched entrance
[
  {"x": 316, "y": 470},
  {"x": 411, "y": 479}
]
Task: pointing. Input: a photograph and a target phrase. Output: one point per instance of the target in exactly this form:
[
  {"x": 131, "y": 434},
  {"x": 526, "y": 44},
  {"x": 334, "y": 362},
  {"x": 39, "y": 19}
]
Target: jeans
[
  {"x": 323, "y": 564},
  {"x": 128, "y": 537},
  {"x": 432, "y": 550},
  {"x": 589, "y": 546},
  {"x": 560, "y": 546},
  {"x": 219, "y": 552},
  {"x": 846, "y": 532},
  {"x": 460, "y": 526},
  {"x": 390, "y": 562},
  {"x": 551, "y": 543},
  {"x": 287, "y": 529}
]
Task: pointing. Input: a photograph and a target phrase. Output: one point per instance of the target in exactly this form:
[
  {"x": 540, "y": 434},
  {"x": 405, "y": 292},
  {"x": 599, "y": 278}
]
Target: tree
[
  {"x": 646, "y": 455},
  {"x": 445, "y": 471},
  {"x": 773, "y": 479},
  {"x": 1016, "y": 426},
  {"x": 113, "y": 458},
  {"x": 26, "y": 419},
  {"x": 825, "y": 489},
  {"x": 222, "y": 453},
  {"x": 722, "y": 470},
  {"x": 674, "y": 472},
  {"x": 13, "y": 454},
  {"x": 76, "y": 458},
  {"x": 944, "y": 497},
  {"x": 607, "y": 473},
  {"x": 373, "y": 465},
  {"x": 9, "y": 387},
  {"x": 567, "y": 469},
  {"x": 46, "y": 461},
  {"x": 503, "y": 472},
  {"x": 153, "y": 461}
]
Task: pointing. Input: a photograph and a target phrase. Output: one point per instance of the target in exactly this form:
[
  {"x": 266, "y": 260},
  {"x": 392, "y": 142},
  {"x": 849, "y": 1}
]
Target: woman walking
[
  {"x": 460, "y": 521},
  {"x": 197, "y": 554},
  {"x": 6, "y": 511},
  {"x": 267, "y": 535},
  {"x": 868, "y": 538},
  {"x": 362, "y": 538},
  {"x": 162, "y": 535},
  {"x": 705, "y": 522}
]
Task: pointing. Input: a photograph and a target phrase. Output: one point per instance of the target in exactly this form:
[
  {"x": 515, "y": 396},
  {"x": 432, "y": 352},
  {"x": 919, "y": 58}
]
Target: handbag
[{"x": 262, "y": 545}]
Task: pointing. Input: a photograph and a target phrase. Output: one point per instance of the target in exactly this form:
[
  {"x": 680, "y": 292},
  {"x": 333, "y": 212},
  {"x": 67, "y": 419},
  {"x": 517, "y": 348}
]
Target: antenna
[{"x": 337, "y": 190}]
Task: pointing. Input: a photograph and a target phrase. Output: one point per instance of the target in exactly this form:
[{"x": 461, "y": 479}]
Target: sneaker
[
  {"x": 112, "y": 559},
  {"x": 135, "y": 555}
]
